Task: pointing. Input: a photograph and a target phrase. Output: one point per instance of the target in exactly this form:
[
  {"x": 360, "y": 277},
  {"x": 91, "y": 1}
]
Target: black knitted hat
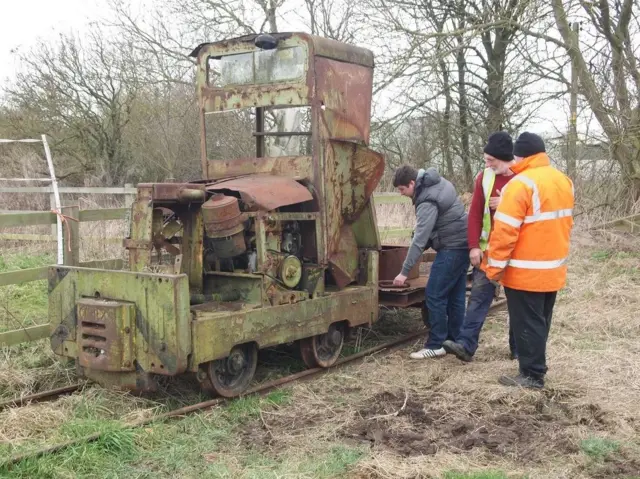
[
  {"x": 528, "y": 144},
  {"x": 500, "y": 146}
]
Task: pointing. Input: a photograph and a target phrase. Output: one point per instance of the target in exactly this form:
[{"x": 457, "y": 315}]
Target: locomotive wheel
[
  {"x": 230, "y": 376},
  {"x": 322, "y": 350}
]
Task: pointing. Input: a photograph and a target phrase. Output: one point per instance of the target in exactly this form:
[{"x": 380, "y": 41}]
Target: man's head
[
  {"x": 498, "y": 152},
  {"x": 405, "y": 180},
  {"x": 527, "y": 144}
]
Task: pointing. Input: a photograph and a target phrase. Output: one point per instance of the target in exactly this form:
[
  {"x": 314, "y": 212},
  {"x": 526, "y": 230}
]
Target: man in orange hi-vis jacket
[{"x": 528, "y": 250}]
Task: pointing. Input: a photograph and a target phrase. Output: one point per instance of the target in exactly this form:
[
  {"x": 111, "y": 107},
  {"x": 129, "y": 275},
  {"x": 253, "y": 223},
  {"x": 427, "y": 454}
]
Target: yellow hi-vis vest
[{"x": 488, "y": 179}]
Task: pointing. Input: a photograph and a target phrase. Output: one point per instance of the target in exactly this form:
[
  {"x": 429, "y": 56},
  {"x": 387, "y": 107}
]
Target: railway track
[
  {"x": 41, "y": 396},
  {"x": 260, "y": 389}
]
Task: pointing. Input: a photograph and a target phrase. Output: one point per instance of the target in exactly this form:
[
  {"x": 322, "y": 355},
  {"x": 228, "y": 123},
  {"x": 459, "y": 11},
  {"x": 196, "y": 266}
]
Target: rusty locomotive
[{"x": 277, "y": 247}]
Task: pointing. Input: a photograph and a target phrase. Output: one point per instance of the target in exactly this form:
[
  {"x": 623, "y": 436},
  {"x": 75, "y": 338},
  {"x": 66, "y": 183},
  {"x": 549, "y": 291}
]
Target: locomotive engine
[{"x": 267, "y": 250}]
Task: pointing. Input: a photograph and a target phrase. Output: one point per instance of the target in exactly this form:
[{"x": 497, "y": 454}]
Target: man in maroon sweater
[{"x": 498, "y": 157}]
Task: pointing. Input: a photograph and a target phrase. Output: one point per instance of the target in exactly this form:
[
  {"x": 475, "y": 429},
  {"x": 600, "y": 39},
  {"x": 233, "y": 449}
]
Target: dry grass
[{"x": 32, "y": 367}]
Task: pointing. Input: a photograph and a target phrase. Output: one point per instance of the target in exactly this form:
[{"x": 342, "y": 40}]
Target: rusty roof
[
  {"x": 265, "y": 192},
  {"x": 322, "y": 47}
]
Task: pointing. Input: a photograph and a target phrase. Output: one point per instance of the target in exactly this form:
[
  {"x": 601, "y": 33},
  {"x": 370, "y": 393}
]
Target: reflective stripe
[
  {"x": 497, "y": 263},
  {"x": 488, "y": 179},
  {"x": 527, "y": 264},
  {"x": 535, "y": 196},
  {"x": 548, "y": 215},
  {"x": 510, "y": 220}
]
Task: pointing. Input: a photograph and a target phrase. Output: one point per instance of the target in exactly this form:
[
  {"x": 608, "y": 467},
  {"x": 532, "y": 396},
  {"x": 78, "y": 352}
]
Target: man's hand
[
  {"x": 475, "y": 255},
  {"x": 494, "y": 201},
  {"x": 400, "y": 279}
]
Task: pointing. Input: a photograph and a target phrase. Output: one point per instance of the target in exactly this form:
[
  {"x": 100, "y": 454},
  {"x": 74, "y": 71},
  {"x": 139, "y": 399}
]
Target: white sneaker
[{"x": 428, "y": 353}]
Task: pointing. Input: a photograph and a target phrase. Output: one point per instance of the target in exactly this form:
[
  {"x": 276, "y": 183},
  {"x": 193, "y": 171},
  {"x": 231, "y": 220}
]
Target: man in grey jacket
[{"x": 441, "y": 223}]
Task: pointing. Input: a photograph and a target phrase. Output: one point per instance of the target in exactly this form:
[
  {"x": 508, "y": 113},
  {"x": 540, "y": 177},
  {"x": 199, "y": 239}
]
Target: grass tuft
[{"x": 599, "y": 448}]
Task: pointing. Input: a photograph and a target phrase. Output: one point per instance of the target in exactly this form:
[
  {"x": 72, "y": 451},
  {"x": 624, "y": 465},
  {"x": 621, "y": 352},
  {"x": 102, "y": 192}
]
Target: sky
[{"x": 24, "y": 21}]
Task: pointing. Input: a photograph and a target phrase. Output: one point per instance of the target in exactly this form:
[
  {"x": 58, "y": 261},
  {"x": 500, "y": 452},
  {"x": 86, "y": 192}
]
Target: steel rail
[{"x": 41, "y": 396}]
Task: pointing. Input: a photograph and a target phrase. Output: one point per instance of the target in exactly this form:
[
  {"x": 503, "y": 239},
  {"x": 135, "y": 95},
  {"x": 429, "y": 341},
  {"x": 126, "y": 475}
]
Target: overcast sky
[{"x": 23, "y": 21}]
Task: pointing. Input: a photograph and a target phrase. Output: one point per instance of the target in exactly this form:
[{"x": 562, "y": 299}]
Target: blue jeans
[
  {"x": 445, "y": 295},
  {"x": 482, "y": 294}
]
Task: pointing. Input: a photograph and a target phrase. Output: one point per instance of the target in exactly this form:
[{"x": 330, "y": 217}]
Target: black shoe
[
  {"x": 522, "y": 381},
  {"x": 514, "y": 355},
  {"x": 458, "y": 350}
]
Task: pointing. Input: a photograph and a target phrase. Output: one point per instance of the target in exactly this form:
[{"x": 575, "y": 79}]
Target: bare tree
[
  {"x": 84, "y": 92},
  {"x": 339, "y": 19},
  {"x": 609, "y": 76}
]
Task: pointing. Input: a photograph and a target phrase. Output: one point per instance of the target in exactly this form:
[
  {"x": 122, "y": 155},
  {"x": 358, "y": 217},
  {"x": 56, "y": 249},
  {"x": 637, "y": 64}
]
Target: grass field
[{"x": 386, "y": 417}]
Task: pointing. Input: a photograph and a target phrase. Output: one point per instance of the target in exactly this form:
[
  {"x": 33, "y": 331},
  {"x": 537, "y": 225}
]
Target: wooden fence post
[{"x": 71, "y": 240}]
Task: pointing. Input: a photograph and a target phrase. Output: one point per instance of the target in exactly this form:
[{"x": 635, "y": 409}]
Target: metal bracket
[{"x": 137, "y": 244}]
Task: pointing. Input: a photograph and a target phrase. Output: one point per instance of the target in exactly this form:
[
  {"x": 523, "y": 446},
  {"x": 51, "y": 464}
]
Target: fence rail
[
  {"x": 129, "y": 191},
  {"x": 72, "y": 250}
]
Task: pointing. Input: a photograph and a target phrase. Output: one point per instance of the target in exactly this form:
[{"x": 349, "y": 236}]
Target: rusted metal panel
[
  {"x": 351, "y": 172},
  {"x": 176, "y": 191},
  {"x": 356, "y": 175},
  {"x": 141, "y": 228},
  {"x": 265, "y": 192},
  {"x": 344, "y": 90},
  {"x": 343, "y": 262},
  {"x": 193, "y": 248},
  {"x": 245, "y": 289},
  {"x": 298, "y": 167},
  {"x": 221, "y": 216},
  {"x": 255, "y": 96},
  {"x": 411, "y": 296},
  {"x": 105, "y": 334},
  {"x": 237, "y": 44},
  {"x": 325, "y": 47},
  {"x": 160, "y": 325},
  {"x": 279, "y": 324},
  {"x": 391, "y": 260},
  {"x": 343, "y": 52},
  {"x": 137, "y": 244},
  {"x": 366, "y": 228}
]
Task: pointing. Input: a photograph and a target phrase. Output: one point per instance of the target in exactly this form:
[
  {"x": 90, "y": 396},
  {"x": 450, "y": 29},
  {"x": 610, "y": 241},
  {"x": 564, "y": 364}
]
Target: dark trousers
[
  {"x": 530, "y": 317},
  {"x": 482, "y": 294},
  {"x": 445, "y": 296}
]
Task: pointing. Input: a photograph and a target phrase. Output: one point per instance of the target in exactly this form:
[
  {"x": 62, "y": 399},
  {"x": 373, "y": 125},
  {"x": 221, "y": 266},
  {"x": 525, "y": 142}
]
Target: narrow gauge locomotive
[{"x": 276, "y": 244}]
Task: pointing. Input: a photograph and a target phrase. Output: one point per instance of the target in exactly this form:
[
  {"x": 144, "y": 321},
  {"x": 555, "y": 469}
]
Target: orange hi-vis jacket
[{"x": 529, "y": 243}]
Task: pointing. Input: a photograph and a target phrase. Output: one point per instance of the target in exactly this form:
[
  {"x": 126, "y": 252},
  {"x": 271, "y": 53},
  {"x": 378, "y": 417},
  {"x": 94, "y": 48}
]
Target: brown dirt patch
[
  {"x": 615, "y": 465},
  {"x": 424, "y": 426}
]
